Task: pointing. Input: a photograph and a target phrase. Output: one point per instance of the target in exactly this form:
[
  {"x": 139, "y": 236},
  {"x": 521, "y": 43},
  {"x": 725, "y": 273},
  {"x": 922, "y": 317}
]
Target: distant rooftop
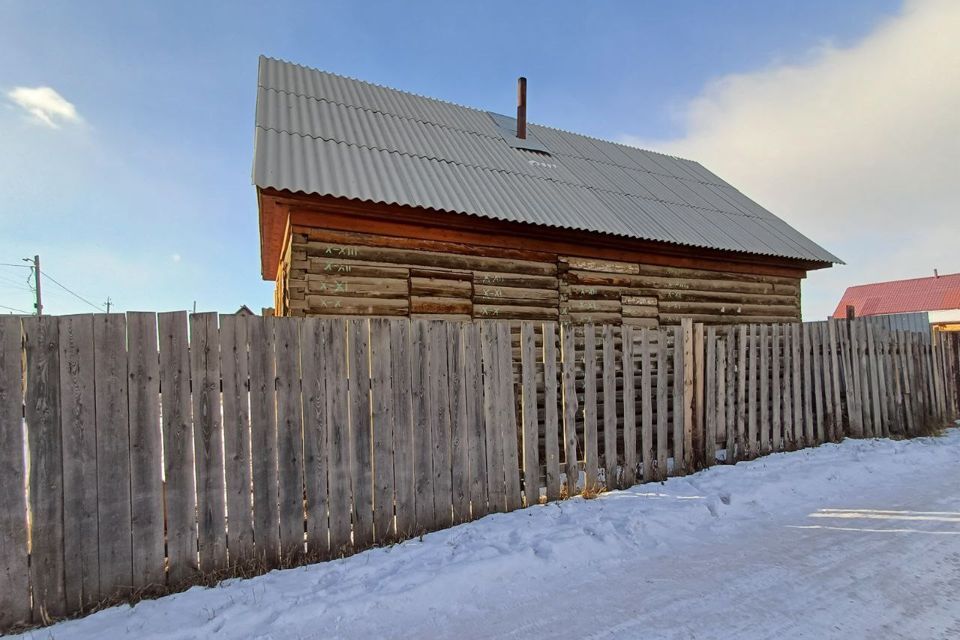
[
  {"x": 934, "y": 293},
  {"x": 320, "y": 133}
]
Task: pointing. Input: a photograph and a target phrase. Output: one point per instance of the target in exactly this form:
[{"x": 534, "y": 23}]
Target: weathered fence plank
[
  {"x": 496, "y": 487},
  {"x": 14, "y": 571},
  {"x": 289, "y": 440},
  {"x": 46, "y": 480},
  {"x": 590, "y": 407},
  {"x": 531, "y": 435},
  {"x": 752, "y": 391},
  {"x": 361, "y": 472},
  {"x": 730, "y": 429},
  {"x": 630, "y": 440},
  {"x": 819, "y": 434},
  {"x": 235, "y": 374},
  {"x": 776, "y": 403},
  {"x": 439, "y": 419},
  {"x": 459, "y": 397},
  {"x": 403, "y": 440},
  {"x": 741, "y": 437},
  {"x": 764, "y": 380},
  {"x": 648, "y": 446},
  {"x": 551, "y": 423},
  {"x": 678, "y": 402},
  {"x": 146, "y": 472},
  {"x": 381, "y": 391},
  {"x": 314, "y": 347},
  {"x": 263, "y": 439},
  {"x": 569, "y": 399},
  {"x": 208, "y": 440},
  {"x": 609, "y": 408},
  {"x": 507, "y": 404},
  {"x": 113, "y": 456},
  {"x": 79, "y": 446},
  {"x": 797, "y": 434},
  {"x": 710, "y": 398},
  {"x": 338, "y": 434},
  {"x": 663, "y": 425},
  {"x": 721, "y": 397},
  {"x": 689, "y": 397}
]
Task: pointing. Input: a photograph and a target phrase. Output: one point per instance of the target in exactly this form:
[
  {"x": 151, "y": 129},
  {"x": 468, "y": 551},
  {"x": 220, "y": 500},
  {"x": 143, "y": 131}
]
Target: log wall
[{"x": 330, "y": 272}]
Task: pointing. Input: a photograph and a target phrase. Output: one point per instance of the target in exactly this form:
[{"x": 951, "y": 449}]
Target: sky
[{"x": 126, "y": 128}]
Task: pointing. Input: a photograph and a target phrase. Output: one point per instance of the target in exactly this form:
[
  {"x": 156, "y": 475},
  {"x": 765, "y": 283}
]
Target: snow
[{"x": 856, "y": 540}]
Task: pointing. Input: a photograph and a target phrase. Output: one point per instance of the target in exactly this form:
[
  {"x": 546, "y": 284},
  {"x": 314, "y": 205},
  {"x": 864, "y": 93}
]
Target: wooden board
[
  {"x": 609, "y": 408},
  {"x": 710, "y": 398},
  {"x": 361, "y": 460},
  {"x": 438, "y": 399},
  {"x": 263, "y": 439},
  {"x": 459, "y": 437},
  {"x": 663, "y": 427},
  {"x": 743, "y": 343},
  {"x": 146, "y": 472},
  {"x": 629, "y": 412},
  {"x": 764, "y": 381},
  {"x": 289, "y": 440},
  {"x": 752, "y": 391},
  {"x": 383, "y": 424},
  {"x": 797, "y": 436},
  {"x": 507, "y": 404},
  {"x": 571, "y": 446},
  {"x": 551, "y": 423},
  {"x": 208, "y": 440},
  {"x": 776, "y": 406},
  {"x": 403, "y": 441},
  {"x": 699, "y": 437},
  {"x": 647, "y": 445},
  {"x": 314, "y": 350},
  {"x": 14, "y": 571},
  {"x": 808, "y": 417},
  {"x": 721, "y": 396},
  {"x": 113, "y": 456},
  {"x": 338, "y": 476},
  {"x": 79, "y": 446},
  {"x": 42, "y": 413},
  {"x": 530, "y": 421},
  {"x": 496, "y": 489},
  {"x": 678, "y": 403},
  {"x": 689, "y": 399},
  {"x": 731, "y": 388},
  {"x": 422, "y": 437},
  {"x": 590, "y": 407}
]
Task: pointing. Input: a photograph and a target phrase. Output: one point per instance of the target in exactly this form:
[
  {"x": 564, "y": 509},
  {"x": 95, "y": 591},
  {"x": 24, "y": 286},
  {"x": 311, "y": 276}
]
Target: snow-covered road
[{"x": 858, "y": 540}]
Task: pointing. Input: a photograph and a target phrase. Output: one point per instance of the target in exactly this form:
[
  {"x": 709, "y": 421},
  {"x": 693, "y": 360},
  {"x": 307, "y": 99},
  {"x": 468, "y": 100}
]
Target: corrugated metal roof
[
  {"x": 324, "y": 134},
  {"x": 935, "y": 293}
]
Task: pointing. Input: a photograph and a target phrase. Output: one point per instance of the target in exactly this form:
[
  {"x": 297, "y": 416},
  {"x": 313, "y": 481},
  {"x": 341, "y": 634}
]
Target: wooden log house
[{"x": 378, "y": 202}]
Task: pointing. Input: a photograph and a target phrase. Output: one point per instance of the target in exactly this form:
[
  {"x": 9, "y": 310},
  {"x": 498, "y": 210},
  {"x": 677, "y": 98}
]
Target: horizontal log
[
  {"x": 639, "y": 301},
  {"x": 437, "y": 287},
  {"x": 729, "y": 309},
  {"x": 505, "y": 312},
  {"x": 357, "y": 268},
  {"x": 674, "y": 318},
  {"x": 333, "y": 305},
  {"x": 352, "y": 286},
  {"x": 452, "y": 306},
  {"x": 650, "y": 323},
  {"x": 606, "y": 306},
  {"x": 640, "y": 312},
  {"x": 491, "y": 294},
  {"x": 657, "y": 282},
  {"x": 445, "y": 274},
  {"x": 588, "y": 317},
  {"x": 501, "y": 279},
  {"x": 422, "y": 258},
  {"x": 683, "y": 272},
  {"x": 606, "y": 266}
]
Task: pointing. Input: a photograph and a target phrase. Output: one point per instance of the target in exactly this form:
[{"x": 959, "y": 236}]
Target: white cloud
[
  {"x": 44, "y": 105},
  {"x": 175, "y": 257},
  {"x": 858, "y": 147}
]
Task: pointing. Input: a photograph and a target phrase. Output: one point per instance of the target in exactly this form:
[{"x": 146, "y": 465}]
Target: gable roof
[
  {"x": 320, "y": 133},
  {"x": 934, "y": 293}
]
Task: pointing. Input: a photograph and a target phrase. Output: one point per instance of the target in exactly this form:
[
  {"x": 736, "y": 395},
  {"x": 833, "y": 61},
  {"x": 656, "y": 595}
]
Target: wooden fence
[{"x": 151, "y": 452}]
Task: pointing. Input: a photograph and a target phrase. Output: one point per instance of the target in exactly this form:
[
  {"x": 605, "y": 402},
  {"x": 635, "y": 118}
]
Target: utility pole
[
  {"x": 108, "y": 304},
  {"x": 38, "y": 305}
]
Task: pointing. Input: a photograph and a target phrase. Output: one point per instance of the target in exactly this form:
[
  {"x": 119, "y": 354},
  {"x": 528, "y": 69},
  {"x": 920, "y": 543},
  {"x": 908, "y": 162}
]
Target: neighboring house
[
  {"x": 938, "y": 295},
  {"x": 244, "y": 310},
  {"x": 374, "y": 201}
]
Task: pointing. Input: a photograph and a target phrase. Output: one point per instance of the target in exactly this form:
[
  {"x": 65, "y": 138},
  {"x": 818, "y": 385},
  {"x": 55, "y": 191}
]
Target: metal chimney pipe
[{"x": 522, "y": 108}]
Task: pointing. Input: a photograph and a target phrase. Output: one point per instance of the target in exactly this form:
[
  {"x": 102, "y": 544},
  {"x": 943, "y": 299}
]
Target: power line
[
  {"x": 71, "y": 292},
  {"x": 3, "y": 306}
]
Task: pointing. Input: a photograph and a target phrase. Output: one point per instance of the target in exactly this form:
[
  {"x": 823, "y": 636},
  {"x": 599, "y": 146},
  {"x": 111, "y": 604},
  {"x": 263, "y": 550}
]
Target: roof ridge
[{"x": 507, "y": 171}]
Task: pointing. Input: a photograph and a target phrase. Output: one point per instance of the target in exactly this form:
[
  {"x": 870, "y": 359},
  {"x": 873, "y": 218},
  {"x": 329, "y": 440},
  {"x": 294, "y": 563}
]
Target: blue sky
[{"x": 144, "y": 195}]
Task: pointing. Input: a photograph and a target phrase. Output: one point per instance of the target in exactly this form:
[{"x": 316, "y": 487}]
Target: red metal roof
[{"x": 902, "y": 296}]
